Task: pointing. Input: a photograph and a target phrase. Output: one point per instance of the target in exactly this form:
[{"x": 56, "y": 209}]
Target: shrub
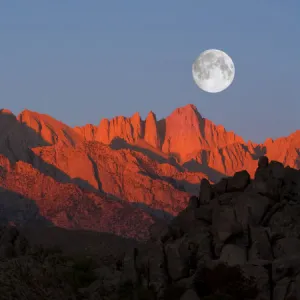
[{"x": 81, "y": 273}]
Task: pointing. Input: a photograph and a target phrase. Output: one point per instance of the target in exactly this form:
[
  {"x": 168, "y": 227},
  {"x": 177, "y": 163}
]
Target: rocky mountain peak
[
  {"x": 151, "y": 115},
  {"x": 6, "y": 111},
  {"x": 151, "y": 131},
  {"x": 136, "y": 117},
  {"x": 187, "y": 110},
  {"x": 49, "y": 129}
]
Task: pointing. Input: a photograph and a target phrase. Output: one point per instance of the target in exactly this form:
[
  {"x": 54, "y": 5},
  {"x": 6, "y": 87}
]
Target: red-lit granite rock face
[
  {"x": 125, "y": 174},
  {"x": 151, "y": 131},
  {"x": 188, "y": 132},
  {"x": 188, "y": 136},
  {"x": 129, "y": 129},
  {"x": 88, "y": 131},
  {"x": 28, "y": 197},
  {"x": 49, "y": 129}
]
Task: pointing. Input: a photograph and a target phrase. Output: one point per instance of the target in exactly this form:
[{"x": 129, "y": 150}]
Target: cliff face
[
  {"x": 154, "y": 164},
  {"x": 197, "y": 143},
  {"x": 184, "y": 132}
]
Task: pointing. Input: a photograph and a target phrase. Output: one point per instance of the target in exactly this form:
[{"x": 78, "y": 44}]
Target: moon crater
[{"x": 213, "y": 71}]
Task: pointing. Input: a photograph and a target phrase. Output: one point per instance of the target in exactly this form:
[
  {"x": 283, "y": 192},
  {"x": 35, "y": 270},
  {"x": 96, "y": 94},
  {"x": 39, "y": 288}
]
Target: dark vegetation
[
  {"x": 40, "y": 273},
  {"x": 35, "y": 272}
]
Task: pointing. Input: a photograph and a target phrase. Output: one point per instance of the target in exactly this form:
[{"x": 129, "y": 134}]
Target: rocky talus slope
[{"x": 240, "y": 239}]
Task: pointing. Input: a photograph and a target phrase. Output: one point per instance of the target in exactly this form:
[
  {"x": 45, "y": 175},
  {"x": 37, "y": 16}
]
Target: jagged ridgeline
[{"x": 238, "y": 240}]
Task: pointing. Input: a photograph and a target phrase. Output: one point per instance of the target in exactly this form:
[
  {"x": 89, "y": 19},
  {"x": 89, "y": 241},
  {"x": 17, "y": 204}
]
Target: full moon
[{"x": 213, "y": 71}]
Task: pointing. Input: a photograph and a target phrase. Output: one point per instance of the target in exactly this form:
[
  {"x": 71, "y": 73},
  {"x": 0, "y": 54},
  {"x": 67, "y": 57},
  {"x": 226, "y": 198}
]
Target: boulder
[
  {"x": 190, "y": 295},
  {"x": 107, "y": 282},
  {"x": 250, "y": 208},
  {"x": 263, "y": 162},
  {"x": 203, "y": 241},
  {"x": 286, "y": 221},
  {"x": 220, "y": 187},
  {"x": 281, "y": 289},
  {"x": 227, "y": 198},
  {"x": 277, "y": 169},
  {"x": 261, "y": 248},
  {"x": 194, "y": 202},
  {"x": 287, "y": 246},
  {"x": 186, "y": 222},
  {"x": 151, "y": 266},
  {"x": 238, "y": 182},
  {"x": 177, "y": 264},
  {"x": 233, "y": 255},
  {"x": 269, "y": 181},
  {"x": 204, "y": 213},
  {"x": 206, "y": 192},
  {"x": 285, "y": 267},
  {"x": 225, "y": 224}
]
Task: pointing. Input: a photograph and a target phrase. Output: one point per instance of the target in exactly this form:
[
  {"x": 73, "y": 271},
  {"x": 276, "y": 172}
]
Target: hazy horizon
[{"x": 82, "y": 62}]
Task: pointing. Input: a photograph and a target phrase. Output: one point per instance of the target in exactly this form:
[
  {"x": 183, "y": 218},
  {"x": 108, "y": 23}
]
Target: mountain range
[{"x": 122, "y": 175}]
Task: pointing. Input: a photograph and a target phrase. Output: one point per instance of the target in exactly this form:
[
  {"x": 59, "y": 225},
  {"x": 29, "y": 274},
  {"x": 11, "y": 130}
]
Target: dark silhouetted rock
[
  {"x": 190, "y": 295},
  {"x": 263, "y": 162},
  {"x": 241, "y": 242},
  {"x": 238, "y": 182},
  {"x": 194, "y": 202},
  {"x": 206, "y": 192}
]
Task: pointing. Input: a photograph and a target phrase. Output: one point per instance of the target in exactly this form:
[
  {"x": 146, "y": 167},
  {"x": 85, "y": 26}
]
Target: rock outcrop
[{"x": 240, "y": 238}]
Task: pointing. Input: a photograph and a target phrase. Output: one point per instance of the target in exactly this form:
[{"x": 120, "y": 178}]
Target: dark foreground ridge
[{"x": 240, "y": 239}]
